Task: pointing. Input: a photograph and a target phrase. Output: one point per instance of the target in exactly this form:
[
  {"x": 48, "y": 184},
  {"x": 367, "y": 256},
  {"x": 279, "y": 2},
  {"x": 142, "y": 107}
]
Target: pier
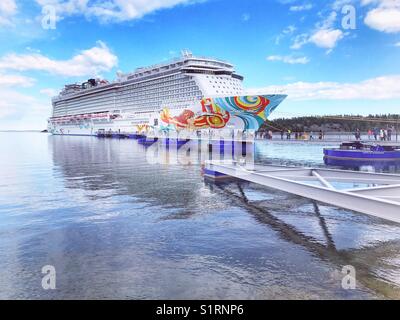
[{"x": 375, "y": 194}]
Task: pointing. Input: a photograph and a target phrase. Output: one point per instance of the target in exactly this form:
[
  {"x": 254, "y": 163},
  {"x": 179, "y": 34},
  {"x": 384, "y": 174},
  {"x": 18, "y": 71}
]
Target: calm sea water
[{"x": 115, "y": 225}]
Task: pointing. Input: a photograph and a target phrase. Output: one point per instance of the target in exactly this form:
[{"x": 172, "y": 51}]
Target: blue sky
[{"x": 299, "y": 47}]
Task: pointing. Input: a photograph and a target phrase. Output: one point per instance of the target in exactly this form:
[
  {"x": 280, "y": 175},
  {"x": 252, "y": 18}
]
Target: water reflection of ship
[
  {"x": 366, "y": 260},
  {"x": 125, "y": 167}
]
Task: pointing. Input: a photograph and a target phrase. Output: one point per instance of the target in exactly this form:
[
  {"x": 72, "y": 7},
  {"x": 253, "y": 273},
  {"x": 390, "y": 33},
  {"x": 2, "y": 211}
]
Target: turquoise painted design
[{"x": 252, "y": 110}]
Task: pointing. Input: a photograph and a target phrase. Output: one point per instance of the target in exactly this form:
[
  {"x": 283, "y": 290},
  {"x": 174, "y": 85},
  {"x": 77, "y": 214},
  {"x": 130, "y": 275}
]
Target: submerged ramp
[{"x": 375, "y": 194}]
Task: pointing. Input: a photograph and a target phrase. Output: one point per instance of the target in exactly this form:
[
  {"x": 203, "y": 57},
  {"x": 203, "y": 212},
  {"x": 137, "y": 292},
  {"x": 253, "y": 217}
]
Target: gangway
[{"x": 375, "y": 194}]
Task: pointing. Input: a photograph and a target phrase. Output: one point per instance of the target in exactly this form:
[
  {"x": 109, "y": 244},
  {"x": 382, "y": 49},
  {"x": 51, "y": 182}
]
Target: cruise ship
[{"x": 186, "y": 94}]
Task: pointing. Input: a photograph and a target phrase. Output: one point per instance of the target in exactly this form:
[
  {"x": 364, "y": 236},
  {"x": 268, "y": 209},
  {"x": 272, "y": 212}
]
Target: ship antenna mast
[{"x": 186, "y": 53}]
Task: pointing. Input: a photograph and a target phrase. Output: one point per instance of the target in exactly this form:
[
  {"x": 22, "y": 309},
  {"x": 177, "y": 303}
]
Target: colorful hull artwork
[{"x": 240, "y": 112}]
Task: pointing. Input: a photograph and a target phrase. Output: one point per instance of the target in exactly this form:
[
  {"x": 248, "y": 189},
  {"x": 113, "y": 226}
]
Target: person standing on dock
[
  {"x": 289, "y": 134},
  {"x": 382, "y": 134},
  {"x": 357, "y": 134},
  {"x": 389, "y": 134},
  {"x": 282, "y": 134},
  {"x": 376, "y": 134}
]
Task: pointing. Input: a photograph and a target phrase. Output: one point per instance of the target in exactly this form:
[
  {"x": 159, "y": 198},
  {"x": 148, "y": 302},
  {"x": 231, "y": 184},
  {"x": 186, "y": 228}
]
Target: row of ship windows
[
  {"x": 148, "y": 74},
  {"x": 226, "y": 89},
  {"x": 109, "y": 97},
  {"x": 225, "y": 85},
  {"x": 157, "y": 93},
  {"x": 234, "y": 85},
  {"x": 222, "y": 78},
  {"x": 214, "y": 78},
  {"x": 107, "y": 108},
  {"x": 88, "y": 100},
  {"x": 167, "y": 96},
  {"x": 86, "y": 106},
  {"x": 227, "y": 92},
  {"x": 144, "y": 84},
  {"x": 83, "y": 103},
  {"x": 170, "y": 100},
  {"x": 71, "y": 111},
  {"x": 147, "y": 94},
  {"x": 167, "y": 84},
  {"x": 226, "y": 82},
  {"x": 147, "y": 85},
  {"x": 125, "y": 108}
]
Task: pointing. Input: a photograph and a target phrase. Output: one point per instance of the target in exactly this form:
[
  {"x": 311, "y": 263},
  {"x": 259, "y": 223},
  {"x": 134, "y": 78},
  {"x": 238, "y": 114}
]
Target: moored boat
[{"x": 361, "y": 153}]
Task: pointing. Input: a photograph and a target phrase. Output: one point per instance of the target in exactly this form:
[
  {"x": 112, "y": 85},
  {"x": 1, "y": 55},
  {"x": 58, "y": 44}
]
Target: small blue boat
[{"x": 362, "y": 153}]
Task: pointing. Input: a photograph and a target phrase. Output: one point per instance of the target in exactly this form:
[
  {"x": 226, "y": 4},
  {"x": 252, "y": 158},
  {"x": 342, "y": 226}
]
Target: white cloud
[
  {"x": 289, "y": 29},
  {"x": 299, "y": 41},
  {"x": 367, "y": 2},
  {"x": 285, "y": 32},
  {"x": 20, "y": 111},
  {"x": 328, "y": 22},
  {"x": 89, "y": 62},
  {"x": 8, "y": 8},
  {"x": 385, "y": 18},
  {"x": 323, "y": 38},
  {"x": 50, "y": 92},
  {"x": 15, "y": 80},
  {"x": 397, "y": 44},
  {"x": 326, "y": 38},
  {"x": 339, "y": 4},
  {"x": 111, "y": 10},
  {"x": 385, "y": 87},
  {"x": 289, "y": 59},
  {"x": 303, "y": 7},
  {"x": 385, "y": 3}
]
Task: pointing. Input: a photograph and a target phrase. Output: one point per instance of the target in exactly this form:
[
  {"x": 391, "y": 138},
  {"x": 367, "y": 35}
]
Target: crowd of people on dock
[
  {"x": 379, "y": 134},
  {"x": 289, "y": 135}
]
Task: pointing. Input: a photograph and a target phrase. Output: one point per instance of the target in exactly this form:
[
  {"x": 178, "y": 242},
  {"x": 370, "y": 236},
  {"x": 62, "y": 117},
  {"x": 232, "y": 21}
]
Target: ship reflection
[{"x": 167, "y": 176}]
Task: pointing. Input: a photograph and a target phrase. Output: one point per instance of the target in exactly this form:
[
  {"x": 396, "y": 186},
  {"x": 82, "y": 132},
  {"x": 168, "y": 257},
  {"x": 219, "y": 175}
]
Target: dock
[{"x": 375, "y": 194}]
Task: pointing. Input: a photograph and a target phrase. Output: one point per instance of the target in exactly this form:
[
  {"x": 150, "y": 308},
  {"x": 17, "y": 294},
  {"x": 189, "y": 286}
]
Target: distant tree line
[{"x": 339, "y": 123}]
